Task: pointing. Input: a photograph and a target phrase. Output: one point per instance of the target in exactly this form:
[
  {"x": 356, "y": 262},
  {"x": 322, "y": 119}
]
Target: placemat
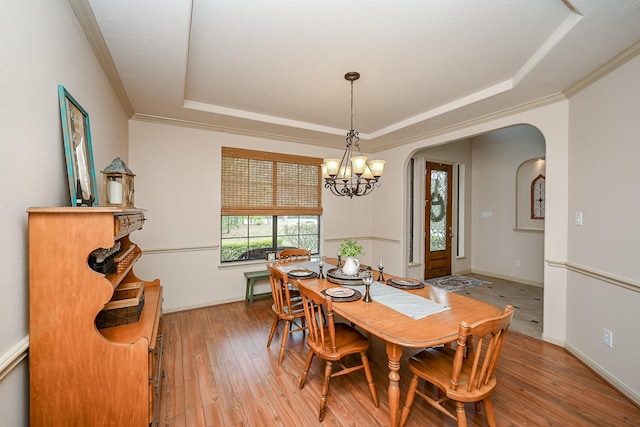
[
  {"x": 355, "y": 297},
  {"x": 309, "y": 274},
  {"x": 405, "y": 283}
]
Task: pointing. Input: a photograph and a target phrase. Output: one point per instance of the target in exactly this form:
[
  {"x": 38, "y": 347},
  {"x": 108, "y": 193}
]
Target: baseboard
[
  {"x": 13, "y": 357},
  {"x": 504, "y": 277},
  {"x": 209, "y": 304},
  {"x": 604, "y": 374},
  {"x": 553, "y": 340}
]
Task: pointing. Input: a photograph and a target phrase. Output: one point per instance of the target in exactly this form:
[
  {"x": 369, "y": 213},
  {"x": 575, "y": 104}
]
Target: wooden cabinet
[{"x": 80, "y": 374}]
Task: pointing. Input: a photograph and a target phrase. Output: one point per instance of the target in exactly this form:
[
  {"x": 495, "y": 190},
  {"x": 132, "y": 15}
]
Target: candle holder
[
  {"x": 367, "y": 280},
  {"x": 320, "y": 267},
  {"x": 118, "y": 184}
]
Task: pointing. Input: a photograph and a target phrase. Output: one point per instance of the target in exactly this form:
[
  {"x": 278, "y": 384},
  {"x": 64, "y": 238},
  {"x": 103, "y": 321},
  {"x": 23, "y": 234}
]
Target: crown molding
[
  {"x": 225, "y": 129},
  {"x": 611, "y": 65},
  {"x": 551, "y": 99},
  {"x": 89, "y": 24}
]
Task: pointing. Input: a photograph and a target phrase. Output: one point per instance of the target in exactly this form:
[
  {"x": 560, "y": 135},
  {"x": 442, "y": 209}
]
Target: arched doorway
[{"x": 485, "y": 237}]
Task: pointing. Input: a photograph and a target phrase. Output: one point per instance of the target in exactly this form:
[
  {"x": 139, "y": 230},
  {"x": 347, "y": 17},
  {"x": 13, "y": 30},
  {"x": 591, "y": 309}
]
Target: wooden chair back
[
  {"x": 295, "y": 254},
  {"x": 479, "y": 345},
  {"x": 286, "y": 308},
  {"x": 280, "y": 291},
  {"x": 320, "y": 321}
]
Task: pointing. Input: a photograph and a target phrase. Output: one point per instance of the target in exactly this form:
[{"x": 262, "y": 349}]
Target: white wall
[
  {"x": 495, "y": 245},
  {"x": 604, "y": 175},
  {"x": 178, "y": 181},
  {"x": 41, "y": 46}
]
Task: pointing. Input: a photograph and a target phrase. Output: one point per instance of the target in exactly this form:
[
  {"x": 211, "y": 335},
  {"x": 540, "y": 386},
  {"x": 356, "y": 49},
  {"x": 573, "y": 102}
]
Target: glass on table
[{"x": 380, "y": 269}]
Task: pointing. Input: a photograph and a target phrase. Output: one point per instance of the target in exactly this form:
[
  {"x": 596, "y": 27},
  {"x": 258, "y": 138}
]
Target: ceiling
[{"x": 276, "y": 68}]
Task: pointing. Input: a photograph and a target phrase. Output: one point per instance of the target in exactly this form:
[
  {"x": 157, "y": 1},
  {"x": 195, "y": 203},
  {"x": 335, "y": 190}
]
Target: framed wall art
[
  {"x": 530, "y": 195},
  {"x": 77, "y": 149},
  {"x": 537, "y": 197}
]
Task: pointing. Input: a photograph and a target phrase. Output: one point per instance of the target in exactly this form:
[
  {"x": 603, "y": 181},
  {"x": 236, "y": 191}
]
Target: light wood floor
[{"x": 219, "y": 372}]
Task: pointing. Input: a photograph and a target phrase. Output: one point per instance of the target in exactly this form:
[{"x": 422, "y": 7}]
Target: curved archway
[{"x": 486, "y": 200}]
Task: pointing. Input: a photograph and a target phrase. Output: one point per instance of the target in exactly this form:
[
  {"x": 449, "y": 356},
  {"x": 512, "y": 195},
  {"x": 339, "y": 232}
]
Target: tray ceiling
[{"x": 276, "y": 68}]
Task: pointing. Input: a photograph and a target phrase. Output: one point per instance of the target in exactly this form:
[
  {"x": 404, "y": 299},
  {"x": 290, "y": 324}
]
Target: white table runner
[{"x": 409, "y": 304}]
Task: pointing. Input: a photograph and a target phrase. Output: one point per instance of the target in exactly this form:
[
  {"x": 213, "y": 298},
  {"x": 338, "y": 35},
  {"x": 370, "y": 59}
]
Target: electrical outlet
[
  {"x": 518, "y": 263},
  {"x": 607, "y": 338}
]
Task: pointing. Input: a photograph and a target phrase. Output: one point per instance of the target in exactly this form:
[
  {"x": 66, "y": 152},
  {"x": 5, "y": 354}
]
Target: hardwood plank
[{"x": 220, "y": 372}]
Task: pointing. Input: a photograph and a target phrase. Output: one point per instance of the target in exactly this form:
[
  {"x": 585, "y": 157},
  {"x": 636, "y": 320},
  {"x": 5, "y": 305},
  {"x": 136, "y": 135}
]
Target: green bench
[{"x": 251, "y": 277}]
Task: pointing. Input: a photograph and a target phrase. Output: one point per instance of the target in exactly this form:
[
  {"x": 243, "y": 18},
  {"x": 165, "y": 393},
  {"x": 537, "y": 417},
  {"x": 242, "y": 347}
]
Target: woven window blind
[{"x": 263, "y": 183}]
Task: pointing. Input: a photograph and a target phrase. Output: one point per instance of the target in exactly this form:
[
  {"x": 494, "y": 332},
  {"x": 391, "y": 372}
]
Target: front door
[{"x": 437, "y": 213}]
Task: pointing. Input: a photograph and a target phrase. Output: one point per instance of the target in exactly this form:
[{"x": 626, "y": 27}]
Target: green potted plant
[{"x": 349, "y": 250}]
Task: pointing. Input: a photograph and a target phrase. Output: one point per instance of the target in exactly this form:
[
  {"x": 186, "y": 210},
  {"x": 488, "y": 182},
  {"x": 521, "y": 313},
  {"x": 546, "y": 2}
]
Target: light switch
[{"x": 578, "y": 217}]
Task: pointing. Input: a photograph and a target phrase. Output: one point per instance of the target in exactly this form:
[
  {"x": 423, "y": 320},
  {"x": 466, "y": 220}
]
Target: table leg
[{"x": 394, "y": 352}]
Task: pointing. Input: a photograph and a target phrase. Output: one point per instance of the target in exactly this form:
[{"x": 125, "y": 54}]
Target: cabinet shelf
[
  {"x": 146, "y": 326},
  {"x": 124, "y": 265}
]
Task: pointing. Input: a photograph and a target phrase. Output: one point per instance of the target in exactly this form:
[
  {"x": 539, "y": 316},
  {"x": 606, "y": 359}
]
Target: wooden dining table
[{"x": 398, "y": 330}]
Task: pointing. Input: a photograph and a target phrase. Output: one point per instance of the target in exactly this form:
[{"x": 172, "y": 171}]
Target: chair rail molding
[
  {"x": 596, "y": 274},
  {"x": 13, "y": 357},
  {"x": 155, "y": 251}
]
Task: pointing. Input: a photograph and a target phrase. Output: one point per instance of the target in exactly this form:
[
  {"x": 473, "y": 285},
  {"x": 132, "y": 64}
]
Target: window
[{"x": 270, "y": 201}]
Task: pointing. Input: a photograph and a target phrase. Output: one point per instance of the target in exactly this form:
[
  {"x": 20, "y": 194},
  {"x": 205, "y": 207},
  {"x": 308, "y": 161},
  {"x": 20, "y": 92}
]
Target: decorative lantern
[{"x": 118, "y": 184}]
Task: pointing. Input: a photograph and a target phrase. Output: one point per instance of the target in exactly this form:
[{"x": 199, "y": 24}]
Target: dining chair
[
  {"x": 286, "y": 307},
  {"x": 463, "y": 372},
  {"x": 332, "y": 342},
  {"x": 294, "y": 254}
]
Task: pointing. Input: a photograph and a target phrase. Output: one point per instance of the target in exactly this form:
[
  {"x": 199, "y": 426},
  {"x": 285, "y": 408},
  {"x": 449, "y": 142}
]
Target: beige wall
[
  {"x": 178, "y": 181},
  {"x": 495, "y": 244},
  {"x": 603, "y": 184},
  {"x": 41, "y": 46}
]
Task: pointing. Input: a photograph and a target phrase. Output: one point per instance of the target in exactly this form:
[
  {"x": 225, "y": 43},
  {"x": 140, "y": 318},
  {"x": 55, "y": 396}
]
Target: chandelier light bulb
[
  {"x": 377, "y": 167},
  {"x": 367, "y": 173},
  {"x": 359, "y": 164},
  {"x": 332, "y": 165},
  {"x": 345, "y": 172}
]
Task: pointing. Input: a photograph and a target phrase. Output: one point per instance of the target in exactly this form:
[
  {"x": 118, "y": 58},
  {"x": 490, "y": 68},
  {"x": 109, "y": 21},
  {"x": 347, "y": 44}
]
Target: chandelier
[{"x": 352, "y": 175}]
